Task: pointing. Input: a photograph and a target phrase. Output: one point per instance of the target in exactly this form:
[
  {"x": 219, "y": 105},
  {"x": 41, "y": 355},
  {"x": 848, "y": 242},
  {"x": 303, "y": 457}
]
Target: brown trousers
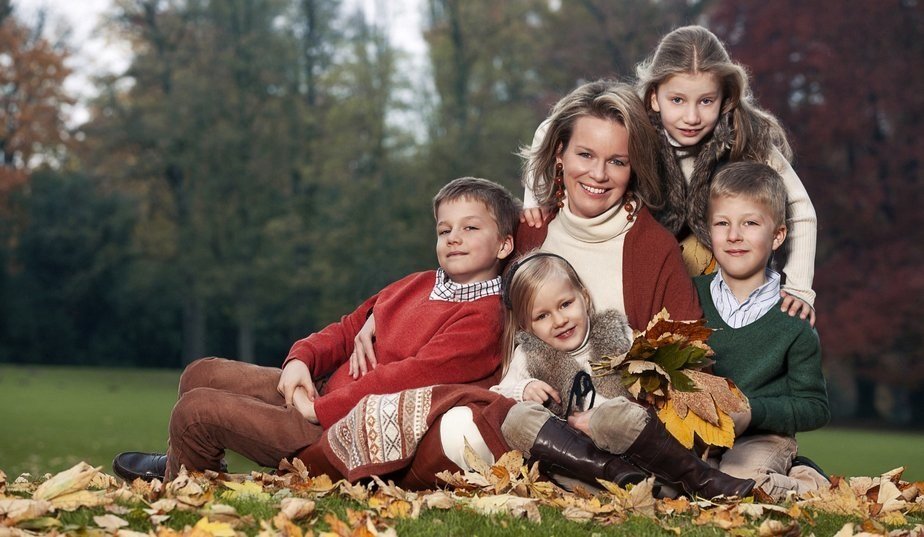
[{"x": 224, "y": 404}]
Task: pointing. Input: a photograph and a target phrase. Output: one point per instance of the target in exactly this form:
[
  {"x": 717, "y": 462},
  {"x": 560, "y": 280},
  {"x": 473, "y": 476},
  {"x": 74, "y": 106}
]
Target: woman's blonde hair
[
  {"x": 523, "y": 278},
  {"x": 693, "y": 50},
  {"x": 602, "y": 99}
]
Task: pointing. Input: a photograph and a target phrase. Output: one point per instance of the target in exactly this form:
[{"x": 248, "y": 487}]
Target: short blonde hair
[{"x": 754, "y": 181}]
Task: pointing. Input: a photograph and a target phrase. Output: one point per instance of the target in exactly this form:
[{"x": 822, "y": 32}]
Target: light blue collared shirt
[{"x": 757, "y": 304}]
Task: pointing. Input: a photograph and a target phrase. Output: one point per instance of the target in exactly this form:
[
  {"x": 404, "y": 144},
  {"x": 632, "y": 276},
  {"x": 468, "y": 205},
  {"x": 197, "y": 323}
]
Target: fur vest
[
  {"x": 685, "y": 202},
  {"x": 557, "y": 368}
]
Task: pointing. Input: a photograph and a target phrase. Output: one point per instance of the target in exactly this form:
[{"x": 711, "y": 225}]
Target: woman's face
[{"x": 595, "y": 165}]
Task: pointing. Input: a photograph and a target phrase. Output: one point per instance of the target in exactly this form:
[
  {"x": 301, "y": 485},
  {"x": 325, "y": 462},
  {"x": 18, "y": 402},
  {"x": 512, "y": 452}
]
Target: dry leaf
[
  {"x": 244, "y": 490},
  {"x": 76, "y": 478},
  {"x": 295, "y": 508},
  {"x": 110, "y": 522},
  {"x": 216, "y": 529},
  {"x": 80, "y": 498},
  {"x": 13, "y": 511}
]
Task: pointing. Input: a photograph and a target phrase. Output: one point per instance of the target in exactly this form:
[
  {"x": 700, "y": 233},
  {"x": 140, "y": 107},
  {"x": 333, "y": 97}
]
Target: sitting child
[
  {"x": 775, "y": 359},
  {"x": 442, "y": 328},
  {"x": 559, "y": 336}
]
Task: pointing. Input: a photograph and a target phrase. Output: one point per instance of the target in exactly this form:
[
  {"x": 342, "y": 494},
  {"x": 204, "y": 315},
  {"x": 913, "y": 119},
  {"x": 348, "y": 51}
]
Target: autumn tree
[{"x": 32, "y": 99}]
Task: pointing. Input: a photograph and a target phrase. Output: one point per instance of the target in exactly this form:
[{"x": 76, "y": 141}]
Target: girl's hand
[
  {"x": 581, "y": 420},
  {"x": 796, "y": 306},
  {"x": 363, "y": 357},
  {"x": 304, "y": 405},
  {"x": 540, "y": 392},
  {"x": 295, "y": 375},
  {"x": 533, "y": 217}
]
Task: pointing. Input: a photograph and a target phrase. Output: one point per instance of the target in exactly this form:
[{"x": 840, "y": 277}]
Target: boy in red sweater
[{"x": 443, "y": 327}]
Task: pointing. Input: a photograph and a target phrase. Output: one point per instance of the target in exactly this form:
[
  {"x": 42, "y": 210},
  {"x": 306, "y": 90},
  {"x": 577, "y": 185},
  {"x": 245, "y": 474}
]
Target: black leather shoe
[{"x": 132, "y": 465}]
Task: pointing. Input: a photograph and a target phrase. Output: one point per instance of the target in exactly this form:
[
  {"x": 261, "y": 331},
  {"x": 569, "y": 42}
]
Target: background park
[{"x": 258, "y": 167}]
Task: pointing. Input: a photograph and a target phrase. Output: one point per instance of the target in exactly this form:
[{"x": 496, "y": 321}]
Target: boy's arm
[
  {"x": 466, "y": 350},
  {"x": 325, "y": 350},
  {"x": 806, "y": 406}
]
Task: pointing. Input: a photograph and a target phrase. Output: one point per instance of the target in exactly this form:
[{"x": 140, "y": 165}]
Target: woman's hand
[
  {"x": 295, "y": 375},
  {"x": 304, "y": 405},
  {"x": 796, "y": 306},
  {"x": 540, "y": 392},
  {"x": 363, "y": 357},
  {"x": 533, "y": 217}
]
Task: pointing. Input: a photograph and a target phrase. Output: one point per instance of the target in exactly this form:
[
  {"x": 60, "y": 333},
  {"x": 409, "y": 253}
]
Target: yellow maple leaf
[
  {"x": 684, "y": 428},
  {"x": 215, "y": 529},
  {"x": 247, "y": 489}
]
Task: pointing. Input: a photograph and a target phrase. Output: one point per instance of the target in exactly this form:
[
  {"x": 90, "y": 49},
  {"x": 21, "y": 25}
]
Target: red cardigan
[
  {"x": 419, "y": 342},
  {"x": 653, "y": 275}
]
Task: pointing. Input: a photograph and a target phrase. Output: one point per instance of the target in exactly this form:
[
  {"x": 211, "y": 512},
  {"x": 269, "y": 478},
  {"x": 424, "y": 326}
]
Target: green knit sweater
[{"x": 775, "y": 361}]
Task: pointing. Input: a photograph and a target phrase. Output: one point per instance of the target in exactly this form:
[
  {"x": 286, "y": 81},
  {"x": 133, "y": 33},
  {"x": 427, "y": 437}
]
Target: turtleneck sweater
[{"x": 594, "y": 246}]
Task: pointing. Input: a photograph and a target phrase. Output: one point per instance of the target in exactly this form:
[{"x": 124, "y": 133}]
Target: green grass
[{"x": 53, "y": 417}]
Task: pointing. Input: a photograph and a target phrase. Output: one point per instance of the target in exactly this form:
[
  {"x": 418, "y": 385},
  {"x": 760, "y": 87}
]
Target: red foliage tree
[{"x": 845, "y": 80}]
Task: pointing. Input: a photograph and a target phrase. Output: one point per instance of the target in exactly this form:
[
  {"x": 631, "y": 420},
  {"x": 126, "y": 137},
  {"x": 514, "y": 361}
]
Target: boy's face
[
  {"x": 468, "y": 243},
  {"x": 743, "y": 237}
]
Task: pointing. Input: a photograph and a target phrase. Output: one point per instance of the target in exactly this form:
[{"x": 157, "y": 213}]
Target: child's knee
[
  {"x": 522, "y": 425},
  {"x": 198, "y": 374},
  {"x": 192, "y": 409},
  {"x": 616, "y": 424}
]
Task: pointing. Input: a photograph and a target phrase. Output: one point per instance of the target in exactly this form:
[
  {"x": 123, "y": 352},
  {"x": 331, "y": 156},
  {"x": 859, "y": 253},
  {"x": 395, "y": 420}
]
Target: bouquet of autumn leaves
[{"x": 664, "y": 368}]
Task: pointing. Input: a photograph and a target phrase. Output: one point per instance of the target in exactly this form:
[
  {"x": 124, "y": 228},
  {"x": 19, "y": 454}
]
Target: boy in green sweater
[{"x": 773, "y": 357}]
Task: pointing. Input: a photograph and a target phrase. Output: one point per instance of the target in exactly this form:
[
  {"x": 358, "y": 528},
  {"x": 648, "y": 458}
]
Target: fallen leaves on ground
[{"x": 878, "y": 505}]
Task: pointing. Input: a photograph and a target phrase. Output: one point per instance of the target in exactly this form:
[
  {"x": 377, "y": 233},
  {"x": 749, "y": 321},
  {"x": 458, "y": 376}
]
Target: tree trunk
[
  {"x": 194, "y": 324},
  {"x": 245, "y": 339}
]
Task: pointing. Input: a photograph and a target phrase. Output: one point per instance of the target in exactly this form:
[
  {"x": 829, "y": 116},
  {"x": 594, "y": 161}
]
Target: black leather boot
[
  {"x": 658, "y": 452},
  {"x": 132, "y": 465},
  {"x": 564, "y": 450}
]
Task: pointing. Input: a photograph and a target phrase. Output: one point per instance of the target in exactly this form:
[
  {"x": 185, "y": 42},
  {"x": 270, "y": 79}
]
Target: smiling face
[
  {"x": 744, "y": 236},
  {"x": 469, "y": 246},
  {"x": 596, "y": 166},
  {"x": 689, "y": 106},
  {"x": 559, "y": 314}
]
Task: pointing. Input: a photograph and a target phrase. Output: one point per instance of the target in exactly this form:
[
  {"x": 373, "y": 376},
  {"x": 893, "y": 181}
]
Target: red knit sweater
[
  {"x": 653, "y": 273},
  {"x": 419, "y": 342}
]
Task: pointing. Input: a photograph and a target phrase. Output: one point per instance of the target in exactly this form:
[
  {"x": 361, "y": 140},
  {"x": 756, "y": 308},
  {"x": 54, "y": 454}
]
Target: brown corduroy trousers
[{"x": 224, "y": 404}]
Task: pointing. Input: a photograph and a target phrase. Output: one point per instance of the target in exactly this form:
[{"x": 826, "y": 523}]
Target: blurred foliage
[{"x": 262, "y": 166}]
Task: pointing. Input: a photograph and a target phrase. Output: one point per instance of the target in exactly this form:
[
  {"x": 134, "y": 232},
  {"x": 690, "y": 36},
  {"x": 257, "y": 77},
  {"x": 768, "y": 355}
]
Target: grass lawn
[{"x": 54, "y": 417}]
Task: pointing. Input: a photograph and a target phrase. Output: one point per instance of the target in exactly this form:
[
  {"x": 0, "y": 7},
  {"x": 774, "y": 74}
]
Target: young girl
[
  {"x": 701, "y": 103},
  {"x": 551, "y": 336}
]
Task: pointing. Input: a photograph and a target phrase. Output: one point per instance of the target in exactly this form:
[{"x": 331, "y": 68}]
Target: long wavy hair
[{"x": 693, "y": 50}]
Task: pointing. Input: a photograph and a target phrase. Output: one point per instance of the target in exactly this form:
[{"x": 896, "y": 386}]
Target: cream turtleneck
[{"x": 594, "y": 246}]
